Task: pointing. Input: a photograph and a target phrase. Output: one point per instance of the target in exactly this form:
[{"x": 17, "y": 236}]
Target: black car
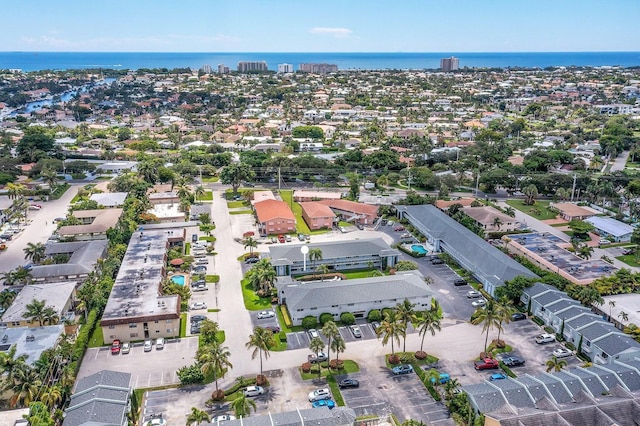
[
  {"x": 518, "y": 316},
  {"x": 513, "y": 361},
  {"x": 198, "y": 318},
  {"x": 459, "y": 282},
  {"x": 252, "y": 260},
  {"x": 349, "y": 383},
  {"x": 436, "y": 261}
]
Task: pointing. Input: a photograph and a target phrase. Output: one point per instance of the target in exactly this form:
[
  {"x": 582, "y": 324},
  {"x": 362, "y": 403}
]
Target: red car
[
  {"x": 248, "y": 234},
  {"x": 115, "y": 347},
  {"x": 486, "y": 364},
  {"x": 281, "y": 238},
  {"x": 398, "y": 228}
]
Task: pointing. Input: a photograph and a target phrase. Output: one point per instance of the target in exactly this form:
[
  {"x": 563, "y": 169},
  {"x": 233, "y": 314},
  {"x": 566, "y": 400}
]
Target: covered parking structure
[{"x": 489, "y": 266}]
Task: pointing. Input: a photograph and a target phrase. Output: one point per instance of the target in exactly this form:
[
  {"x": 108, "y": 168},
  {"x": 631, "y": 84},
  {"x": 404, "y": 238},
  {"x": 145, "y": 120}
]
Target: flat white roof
[{"x": 610, "y": 225}]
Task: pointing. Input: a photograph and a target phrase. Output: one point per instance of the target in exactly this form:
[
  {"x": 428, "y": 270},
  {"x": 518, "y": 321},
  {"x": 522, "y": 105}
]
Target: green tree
[
  {"x": 242, "y": 406},
  {"x": 338, "y": 346},
  {"x": 23, "y": 387},
  {"x": 209, "y": 331},
  {"x": 580, "y": 228},
  {"x": 331, "y": 332},
  {"x": 197, "y": 416},
  {"x": 315, "y": 254},
  {"x": 6, "y": 299},
  {"x": 50, "y": 316},
  {"x": 429, "y": 323},
  {"x": 513, "y": 289},
  {"x": 555, "y": 364},
  {"x": 35, "y": 311},
  {"x": 260, "y": 341},
  {"x": 251, "y": 243},
  {"x": 316, "y": 345},
  {"x": 50, "y": 177},
  {"x": 391, "y": 329},
  {"x": 214, "y": 359},
  {"x": 39, "y": 415},
  {"x": 406, "y": 314},
  {"x": 530, "y": 193},
  {"x": 322, "y": 270},
  {"x": 235, "y": 175},
  {"x": 35, "y": 144},
  {"x": 34, "y": 252},
  {"x": 489, "y": 318}
]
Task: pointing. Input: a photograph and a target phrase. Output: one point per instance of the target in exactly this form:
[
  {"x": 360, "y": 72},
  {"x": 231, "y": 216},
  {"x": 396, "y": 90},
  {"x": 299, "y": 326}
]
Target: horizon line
[{"x": 320, "y": 52}]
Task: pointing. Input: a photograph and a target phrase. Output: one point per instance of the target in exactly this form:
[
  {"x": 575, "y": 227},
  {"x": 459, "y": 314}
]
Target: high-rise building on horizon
[
  {"x": 285, "y": 68},
  {"x": 222, "y": 69},
  {"x": 252, "y": 66},
  {"x": 449, "y": 64},
  {"x": 206, "y": 69},
  {"x": 318, "y": 68}
]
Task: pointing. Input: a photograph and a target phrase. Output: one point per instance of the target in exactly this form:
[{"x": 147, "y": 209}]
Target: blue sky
[{"x": 320, "y": 25}]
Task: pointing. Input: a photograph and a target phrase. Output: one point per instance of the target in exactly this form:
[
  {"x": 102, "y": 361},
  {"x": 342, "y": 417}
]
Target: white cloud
[{"x": 334, "y": 32}]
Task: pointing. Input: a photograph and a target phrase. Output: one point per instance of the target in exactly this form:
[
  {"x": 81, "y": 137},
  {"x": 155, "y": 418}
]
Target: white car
[
  {"x": 319, "y": 395},
  {"x": 479, "y": 303},
  {"x": 313, "y": 333},
  {"x": 125, "y": 348},
  {"x": 159, "y": 343},
  {"x": 562, "y": 353},
  {"x": 545, "y": 338},
  {"x": 202, "y": 261},
  {"x": 472, "y": 294},
  {"x": 253, "y": 391},
  {"x": 148, "y": 345},
  {"x": 198, "y": 305},
  {"x": 222, "y": 418},
  {"x": 266, "y": 314}
]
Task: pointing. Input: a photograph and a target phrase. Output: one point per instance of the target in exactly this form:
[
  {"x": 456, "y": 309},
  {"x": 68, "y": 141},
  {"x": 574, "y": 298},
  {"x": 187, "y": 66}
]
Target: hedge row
[
  {"x": 285, "y": 316},
  {"x": 411, "y": 253},
  {"x": 83, "y": 338},
  {"x": 426, "y": 381}
]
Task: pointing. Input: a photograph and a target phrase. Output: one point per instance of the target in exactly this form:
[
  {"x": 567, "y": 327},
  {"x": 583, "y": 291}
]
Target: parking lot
[
  {"x": 271, "y": 322},
  {"x": 148, "y": 369},
  {"x": 301, "y": 339}
]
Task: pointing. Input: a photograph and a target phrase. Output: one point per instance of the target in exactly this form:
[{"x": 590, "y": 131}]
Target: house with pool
[
  {"x": 136, "y": 309},
  {"x": 489, "y": 266},
  {"x": 289, "y": 259}
]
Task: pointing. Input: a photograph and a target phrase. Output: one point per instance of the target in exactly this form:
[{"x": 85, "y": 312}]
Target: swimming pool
[
  {"x": 419, "y": 249},
  {"x": 178, "y": 279}
]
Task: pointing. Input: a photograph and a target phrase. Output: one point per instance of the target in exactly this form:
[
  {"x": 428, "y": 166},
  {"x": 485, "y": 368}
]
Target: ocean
[{"x": 33, "y": 61}]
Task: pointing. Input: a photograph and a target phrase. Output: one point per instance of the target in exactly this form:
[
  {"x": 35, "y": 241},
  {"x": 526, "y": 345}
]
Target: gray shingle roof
[
  {"x": 560, "y": 305},
  {"x": 582, "y": 320},
  {"x": 84, "y": 255},
  {"x": 536, "y": 389},
  {"x": 537, "y": 289},
  {"x": 598, "y": 329},
  {"x": 617, "y": 343},
  {"x": 485, "y": 397},
  {"x": 556, "y": 388},
  {"x": 606, "y": 376},
  {"x": 550, "y": 297},
  {"x": 591, "y": 381},
  {"x": 101, "y": 398},
  {"x": 572, "y": 383},
  {"x": 55, "y": 295},
  {"x": 489, "y": 263},
  {"x": 331, "y": 250},
  {"x": 574, "y": 311},
  {"x": 515, "y": 393},
  {"x": 627, "y": 371}
]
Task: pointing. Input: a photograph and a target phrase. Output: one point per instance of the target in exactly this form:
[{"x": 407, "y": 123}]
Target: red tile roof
[
  {"x": 314, "y": 209},
  {"x": 273, "y": 209},
  {"x": 351, "y": 206}
]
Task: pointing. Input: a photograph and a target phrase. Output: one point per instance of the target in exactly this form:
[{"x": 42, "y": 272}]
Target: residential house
[
  {"x": 31, "y": 342},
  {"x": 317, "y": 216},
  {"x": 95, "y": 224},
  {"x": 611, "y": 229},
  {"x": 358, "y": 296},
  {"x": 136, "y": 308},
  {"x": 259, "y": 196},
  {"x": 109, "y": 199},
  {"x": 300, "y": 195},
  {"x": 351, "y": 211},
  {"x": 100, "y": 399},
  {"x": 445, "y": 204},
  {"x": 339, "y": 416},
  {"x": 571, "y": 211},
  {"x": 82, "y": 259},
  {"x": 491, "y": 219},
  {"x": 338, "y": 256},
  {"x": 274, "y": 217},
  {"x": 60, "y": 296}
]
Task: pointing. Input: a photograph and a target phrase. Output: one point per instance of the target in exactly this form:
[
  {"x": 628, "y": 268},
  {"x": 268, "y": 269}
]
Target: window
[
  {"x": 111, "y": 327},
  {"x": 157, "y": 331},
  {"x": 351, "y": 304},
  {"x": 16, "y": 323},
  {"x": 588, "y": 343},
  {"x": 314, "y": 309},
  {"x": 133, "y": 335},
  {"x": 168, "y": 330},
  {"x": 168, "y": 321},
  {"x": 133, "y": 325},
  {"x": 156, "y": 321}
]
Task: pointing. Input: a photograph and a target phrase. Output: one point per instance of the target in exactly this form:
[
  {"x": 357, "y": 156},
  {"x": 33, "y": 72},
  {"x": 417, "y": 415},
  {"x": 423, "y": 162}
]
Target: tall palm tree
[
  {"x": 214, "y": 359},
  {"x": 406, "y": 314},
  {"x": 22, "y": 275},
  {"x": 199, "y": 192},
  {"x": 450, "y": 388},
  {"x": 510, "y": 211},
  {"x": 338, "y": 345},
  {"x": 251, "y": 243},
  {"x": 322, "y": 270},
  {"x": 23, "y": 387},
  {"x": 52, "y": 396},
  {"x": 331, "y": 332},
  {"x": 503, "y": 313},
  {"x": 497, "y": 223},
  {"x": 6, "y": 299},
  {"x": 34, "y": 252},
  {"x": 488, "y": 317},
  {"x": 555, "y": 364},
  {"x": 204, "y": 218},
  {"x": 316, "y": 345},
  {"x": 50, "y": 177},
  {"x": 429, "y": 323},
  {"x": 9, "y": 363},
  {"x": 260, "y": 341},
  {"x": 35, "y": 311},
  {"x": 50, "y": 316},
  {"x": 242, "y": 406},
  {"x": 197, "y": 416},
  {"x": 15, "y": 190},
  {"x": 315, "y": 254},
  {"x": 390, "y": 329}
]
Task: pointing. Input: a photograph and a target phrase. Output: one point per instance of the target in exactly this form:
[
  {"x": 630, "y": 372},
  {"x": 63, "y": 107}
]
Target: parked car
[
  {"x": 402, "y": 369},
  {"x": 604, "y": 241},
  {"x": 319, "y": 394},
  {"x": 315, "y": 358},
  {"x": 300, "y": 237},
  {"x": 497, "y": 376},
  {"x": 125, "y": 348},
  {"x": 273, "y": 328},
  {"x": 479, "y": 303},
  {"x": 251, "y": 260},
  {"x": 562, "y": 353},
  {"x": 202, "y": 261},
  {"x": 486, "y": 364},
  {"x": 355, "y": 330},
  {"x": 459, "y": 282},
  {"x": 435, "y": 260},
  {"x": 199, "y": 287},
  {"x": 513, "y": 361},
  {"x": 313, "y": 333},
  {"x": 472, "y": 294},
  {"x": 399, "y": 228},
  {"x": 200, "y": 270},
  {"x": 442, "y": 378},
  {"x": 274, "y": 240},
  {"x": 222, "y": 418},
  {"x": 628, "y": 251},
  {"x": 281, "y": 238},
  {"x": 159, "y": 343},
  {"x": 307, "y": 237},
  {"x": 288, "y": 238},
  {"x": 115, "y": 347},
  {"x": 148, "y": 345},
  {"x": 198, "y": 318},
  {"x": 348, "y": 383},
  {"x": 195, "y": 328},
  {"x": 266, "y": 314},
  {"x": 329, "y": 403},
  {"x": 375, "y": 325},
  {"x": 253, "y": 391},
  {"x": 518, "y": 316},
  {"x": 545, "y": 338},
  {"x": 198, "y": 305}
]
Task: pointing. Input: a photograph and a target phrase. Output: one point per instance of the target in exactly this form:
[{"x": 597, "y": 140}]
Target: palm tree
[
  {"x": 489, "y": 318},
  {"x": 15, "y": 190},
  {"x": 260, "y": 341},
  {"x": 199, "y": 192},
  {"x": 316, "y": 345},
  {"x": 34, "y": 252},
  {"x": 322, "y": 270},
  {"x": 6, "y": 299},
  {"x": 251, "y": 243},
  {"x": 50, "y": 316},
  {"x": 497, "y": 223},
  {"x": 623, "y": 316},
  {"x": 22, "y": 275},
  {"x": 52, "y": 397},
  {"x": 204, "y": 218},
  {"x": 331, "y": 332},
  {"x": 197, "y": 416},
  {"x": 390, "y": 329},
  {"x": 429, "y": 323},
  {"x": 503, "y": 312},
  {"x": 9, "y": 363},
  {"x": 24, "y": 386},
  {"x": 450, "y": 388},
  {"x": 209, "y": 330},
  {"x": 406, "y": 314},
  {"x": 555, "y": 364},
  {"x": 510, "y": 211},
  {"x": 530, "y": 192},
  {"x": 242, "y": 406},
  {"x": 315, "y": 254},
  {"x": 338, "y": 345},
  {"x": 612, "y": 304},
  {"x": 50, "y": 177},
  {"x": 214, "y": 359},
  {"x": 35, "y": 311},
  {"x": 8, "y": 277}
]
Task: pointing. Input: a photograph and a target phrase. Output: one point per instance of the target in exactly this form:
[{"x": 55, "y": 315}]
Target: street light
[{"x": 304, "y": 250}]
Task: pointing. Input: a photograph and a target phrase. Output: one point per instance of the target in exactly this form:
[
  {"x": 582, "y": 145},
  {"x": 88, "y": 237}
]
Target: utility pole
[
  {"x": 409, "y": 180},
  {"x": 278, "y": 178},
  {"x": 573, "y": 189},
  {"x": 477, "y": 182}
]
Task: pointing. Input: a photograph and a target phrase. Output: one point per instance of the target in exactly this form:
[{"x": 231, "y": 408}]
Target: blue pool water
[
  {"x": 178, "y": 279},
  {"x": 419, "y": 249}
]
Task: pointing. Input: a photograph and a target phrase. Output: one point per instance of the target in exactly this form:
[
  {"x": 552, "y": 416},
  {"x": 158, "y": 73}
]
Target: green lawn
[
  {"x": 212, "y": 279},
  {"x": 60, "y": 189},
  {"x": 96, "y": 338},
  {"x": 208, "y": 239},
  {"x": 538, "y": 210},
  {"x": 183, "y": 325},
  {"x": 208, "y": 196},
  {"x": 345, "y": 224},
  {"x": 301, "y": 225},
  {"x": 187, "y": 249},
  {"x": 211, "y": 179},
  {"x": 237, "y": 204},
  {"x": 629, "y": 259},
  {"x": 241, "y": 212},
  {"x": 251, "y": 300},
  {"x": 349, "y": 367},
  {"x": 351, "y": 275}
]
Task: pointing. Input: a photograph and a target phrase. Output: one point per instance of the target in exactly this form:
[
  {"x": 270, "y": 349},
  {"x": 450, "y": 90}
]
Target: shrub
[
  {"x": 421, "y": 355},
  {"x": 537, "y": 320},
  {"x": 217, "y": 395},
  {"x": 325, "y": 318},
  {"x": 347, "y": 318},
  {"x": 374, "y": 315},
  {"x": 190, "y": 374},
  {"x": 394, "y": 359},
  {"x": 285, "y": 316},
  {"x": 570, "y": 346},
  {"x": 385, "y": 311},
  {"x": 282, "y": 336},
  {"x": 336, "y": 364},
  {"x": 306, "y": 367},
  {"x": 309, "y": 322}
]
